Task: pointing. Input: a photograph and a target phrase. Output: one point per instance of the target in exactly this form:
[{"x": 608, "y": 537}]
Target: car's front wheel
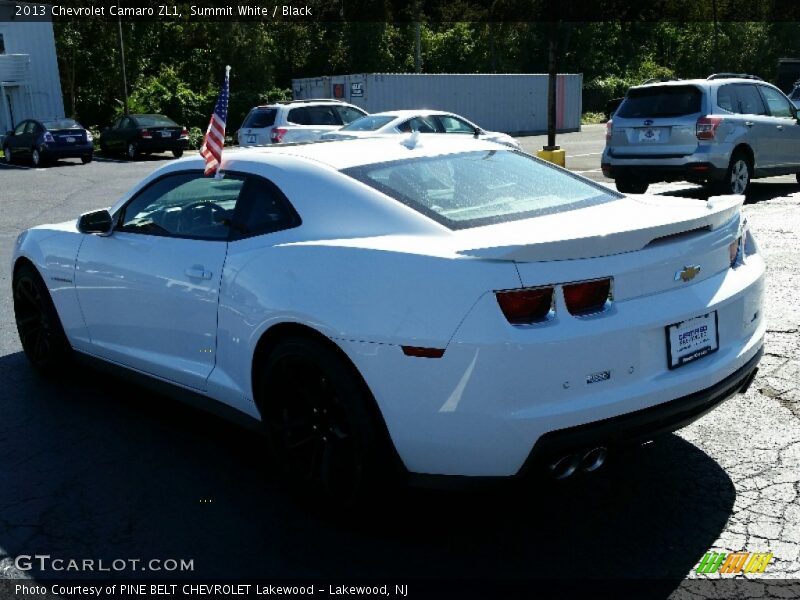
[
  {"x": 631, "y": 186},
  {"x": 318, "y": 420},
  {"x": 737, "y": 178},
  {"x": 39, "y": 327}
]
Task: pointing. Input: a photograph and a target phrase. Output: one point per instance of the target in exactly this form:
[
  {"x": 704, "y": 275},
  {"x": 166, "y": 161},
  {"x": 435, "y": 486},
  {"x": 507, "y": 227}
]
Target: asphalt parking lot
[{"x": 93, "y": 467}]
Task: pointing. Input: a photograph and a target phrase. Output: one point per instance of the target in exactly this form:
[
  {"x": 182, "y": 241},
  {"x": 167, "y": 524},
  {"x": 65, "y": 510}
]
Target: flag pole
[{"x": 218, "y": 174}]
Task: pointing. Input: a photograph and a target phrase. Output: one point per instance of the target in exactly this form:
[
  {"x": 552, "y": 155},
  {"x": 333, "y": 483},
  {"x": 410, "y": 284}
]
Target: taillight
[
  {"x": 609, "y": 125},
  {"x": 421, "y": 352},
  {"x": 706, "y": 127},
  {"x": 146, "y": 135},
  {"x": 48, "y": 137},
  {"x": 587, "y": 297},
  {"x": 526, "y": 306},
  {"x": 184, "y": 133},
  {"x": 277, "y": 134}
]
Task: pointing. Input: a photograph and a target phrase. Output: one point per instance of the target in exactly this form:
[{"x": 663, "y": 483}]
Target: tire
[
  {"x": 87, "y": 159},
  {"x": 7, "y": 155},
  {"x": 177, "y": 153},
  {"x": 737, "y": 177},
  {"x": 631, "y": 186},
  {"x": 131, "y": 151},
  {"x": 36, "y": 158},
  {"x": 318, "y": 421},
  {"x": 39, "y": 327}
]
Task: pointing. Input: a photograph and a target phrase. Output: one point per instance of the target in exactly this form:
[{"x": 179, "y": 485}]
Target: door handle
[
  {"x": 780, "y": 127},
  {"x": 749, "y": 123},
  {"x": 198, "y": 273}
]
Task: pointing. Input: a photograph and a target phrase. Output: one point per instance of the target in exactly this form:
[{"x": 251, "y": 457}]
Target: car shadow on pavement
[
  {"x": 94, "y": 467},
  {"x": 758, "y": 191}
]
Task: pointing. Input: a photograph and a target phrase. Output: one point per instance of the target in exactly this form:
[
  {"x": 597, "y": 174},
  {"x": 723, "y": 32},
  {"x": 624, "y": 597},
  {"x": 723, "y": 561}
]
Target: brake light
[
  {"x": 184, "y": 134},
  {"x": 706, "y": 127},
  {"x": 146, "y": 134},
  {"x": 277, "y": 134},
  {"x": 587, "y": 297},
  {"x": 525, "y": 306},
  {"x": 609, "y": 125},
  {"x": 48, "y": 137}
]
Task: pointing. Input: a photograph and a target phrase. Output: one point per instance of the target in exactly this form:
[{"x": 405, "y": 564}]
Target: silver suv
[
  {"x": 295, "y": 121},
  {"x": 722, "y": 132}
]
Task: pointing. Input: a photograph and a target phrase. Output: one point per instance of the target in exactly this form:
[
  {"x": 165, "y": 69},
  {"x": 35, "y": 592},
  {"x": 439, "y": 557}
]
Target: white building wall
[{"x": 38, "y": 95}]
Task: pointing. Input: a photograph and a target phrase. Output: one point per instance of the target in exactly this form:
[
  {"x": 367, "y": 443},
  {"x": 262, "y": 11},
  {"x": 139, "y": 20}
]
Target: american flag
[{"x": 214, "y": 139}]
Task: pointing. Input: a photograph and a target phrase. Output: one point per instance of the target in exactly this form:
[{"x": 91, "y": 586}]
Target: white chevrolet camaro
[{"x": 437, "y": 306}]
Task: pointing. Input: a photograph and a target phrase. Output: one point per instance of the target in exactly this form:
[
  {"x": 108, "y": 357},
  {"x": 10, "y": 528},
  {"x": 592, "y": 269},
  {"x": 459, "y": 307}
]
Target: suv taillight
[
  {"x": 526, "y": 306},
  {"x": 609, "y": 125},
  {"x": 276, "y": 135},
  {"x": 706, "y": 127}
]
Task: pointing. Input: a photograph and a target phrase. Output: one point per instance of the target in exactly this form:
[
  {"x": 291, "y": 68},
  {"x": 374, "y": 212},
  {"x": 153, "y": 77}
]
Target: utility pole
[
  {"x": 122, "y": 56},
  {"x": 551, "y": 152}
]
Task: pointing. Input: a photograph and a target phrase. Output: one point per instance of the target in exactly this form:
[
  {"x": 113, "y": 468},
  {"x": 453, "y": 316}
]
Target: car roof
[
  {"x": 343, "y": 154},
  {"x": 424, "y": 112},
  {"x": 700, "y": 82},
  {"x": 296, "y": 103}
]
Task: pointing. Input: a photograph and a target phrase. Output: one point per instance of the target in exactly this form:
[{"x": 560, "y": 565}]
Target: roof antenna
[{"x": 411, "y": 141}]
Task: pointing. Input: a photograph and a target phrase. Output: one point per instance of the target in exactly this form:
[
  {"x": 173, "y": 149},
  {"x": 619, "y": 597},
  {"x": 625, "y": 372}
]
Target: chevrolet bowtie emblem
[{"x": 688, "y": 273}]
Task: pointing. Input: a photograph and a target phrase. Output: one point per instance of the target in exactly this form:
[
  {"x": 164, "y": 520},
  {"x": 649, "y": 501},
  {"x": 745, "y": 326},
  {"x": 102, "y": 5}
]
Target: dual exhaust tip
[{"x": 587, "y": 462}]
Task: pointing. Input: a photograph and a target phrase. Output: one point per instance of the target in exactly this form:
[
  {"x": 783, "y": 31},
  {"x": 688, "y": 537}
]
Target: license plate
[
  {"x": 251, "y": 139},
  {"x": 692, "y": 339},
  {"x": 166, "y": 134},
  {"x": 70, "y": 140},
  {"x": 649, "y": 134}
]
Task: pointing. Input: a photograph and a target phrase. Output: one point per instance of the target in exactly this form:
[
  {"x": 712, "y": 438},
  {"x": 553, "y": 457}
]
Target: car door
[
  {"x": 21, "y": 141},
  {"x": 786, "y": 129},
  {"x": 761, "y": 130},
  {"x": 149, "y": 291}
]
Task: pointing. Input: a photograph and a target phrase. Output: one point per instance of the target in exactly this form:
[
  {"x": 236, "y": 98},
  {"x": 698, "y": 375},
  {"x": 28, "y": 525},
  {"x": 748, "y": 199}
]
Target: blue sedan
[{"x": 42, "y": 142}]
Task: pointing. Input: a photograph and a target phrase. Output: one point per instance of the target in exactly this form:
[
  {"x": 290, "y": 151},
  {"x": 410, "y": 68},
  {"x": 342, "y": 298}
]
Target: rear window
[
  {"x": 154, "y": 121},
  {"x": 260, "y": 118},
  {"x": 481, "y": 188},
  {"x": 371, "y": 123},
  {"x": 62, "y": 124},
  {"x": 661, "y": 101}
]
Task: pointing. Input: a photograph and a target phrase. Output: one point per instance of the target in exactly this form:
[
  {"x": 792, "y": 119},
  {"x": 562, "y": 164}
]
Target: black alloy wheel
[
  {"x": 39, "y": 327},
  {"x": 318, "y": 420}
]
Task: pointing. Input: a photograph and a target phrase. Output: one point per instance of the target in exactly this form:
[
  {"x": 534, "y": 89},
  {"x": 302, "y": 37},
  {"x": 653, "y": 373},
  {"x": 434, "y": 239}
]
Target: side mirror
[
  {"x": 477, "y": 133},
  {"x": 98, "y": 221}
]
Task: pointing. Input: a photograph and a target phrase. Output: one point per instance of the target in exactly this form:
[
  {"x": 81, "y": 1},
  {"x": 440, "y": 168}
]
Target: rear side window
[
  {"x": 263, "y": 209},
  {"x": 471, "y": 189},
  {"x": 749, "y": 100},
  {"x": 661, "y": 101},
  {"x": 259, "y": 118},
  {"x": 314, "y": 115}
]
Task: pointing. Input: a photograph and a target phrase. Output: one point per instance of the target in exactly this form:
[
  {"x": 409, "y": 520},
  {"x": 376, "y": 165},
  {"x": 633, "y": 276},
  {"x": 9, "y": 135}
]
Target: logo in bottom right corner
[{"x": 735, "y": 563}]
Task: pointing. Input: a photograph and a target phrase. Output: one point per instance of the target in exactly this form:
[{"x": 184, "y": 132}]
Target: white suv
[{"x": 295, "y": 121}]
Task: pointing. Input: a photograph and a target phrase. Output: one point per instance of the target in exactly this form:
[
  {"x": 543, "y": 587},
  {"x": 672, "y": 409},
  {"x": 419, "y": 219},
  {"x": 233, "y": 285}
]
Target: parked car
[
  {"x": 41, "y": 142},
  {"x": 295, "y": 121},
  {"x": 452, "y": 309},
  {"x": 722, "y": 132},
  {"x": 133, "y": 135},
  {"x": 395, "y": 122}
]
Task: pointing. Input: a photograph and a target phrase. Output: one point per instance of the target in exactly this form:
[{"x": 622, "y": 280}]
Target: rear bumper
[
  {"x": 157, "y": 145},
  {"x": 641, "y": 425},
  {"x": 71, "y": 151},
  {"x": 703, "y": 172}
]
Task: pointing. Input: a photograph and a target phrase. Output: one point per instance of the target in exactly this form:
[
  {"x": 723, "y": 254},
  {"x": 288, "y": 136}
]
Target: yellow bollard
[{"x": 557, "y": 157}]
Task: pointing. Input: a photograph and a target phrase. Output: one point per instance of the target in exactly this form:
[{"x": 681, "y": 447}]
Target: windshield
[
  {"x": 480, "y": 188},
  {"x": 369, "y": 123},
  {"x": 661, "y": 101},
  {"x": 61, "y": 124},
  {"x": 154, "y": 121}
]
